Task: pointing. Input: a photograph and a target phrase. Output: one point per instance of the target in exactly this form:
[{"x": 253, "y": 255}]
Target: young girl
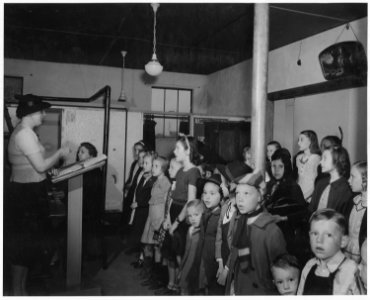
[
  {"x": 186, "y": 181},
  {"x": 256, "y": 242},
  {"x": 189, "y": 286},
  {"x": 327, "y": 142},
  {"x": 358, "y": 216},
  {"x": 156, "y": 207},
  {"x": 334, "y": 191},
  {"x": 247, "y": 157},
  {"x": 169, "y": 256},
  {"x": 284, "y": 197},
  {"x": 140, "y": 205},
  {"x": 282, "y": 184},
  {"x": 307, "y": 162},
  {"x": 92, "y": 186},
  {"x": 212, "y": 197}
]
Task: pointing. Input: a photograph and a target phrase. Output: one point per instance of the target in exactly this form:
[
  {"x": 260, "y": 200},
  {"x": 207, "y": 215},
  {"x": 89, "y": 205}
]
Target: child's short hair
[
  {"x": 246, "y": 149},
  {"x": 152, "y": 154},
  {"x": 90, "y": 148},
  {"x": 362, "y": 168},
  {"x": 274, "y": 143},
  {"x": 341, "y": 161},
  {"x": 197, "y": 204},
  {"x": 284, "y": 261},
  {"x": 164, "y": 163},
  {"x": 331, "y": 214}
]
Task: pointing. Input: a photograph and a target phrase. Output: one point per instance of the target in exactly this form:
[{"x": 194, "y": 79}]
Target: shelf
[{"x": 318, "y": 88}]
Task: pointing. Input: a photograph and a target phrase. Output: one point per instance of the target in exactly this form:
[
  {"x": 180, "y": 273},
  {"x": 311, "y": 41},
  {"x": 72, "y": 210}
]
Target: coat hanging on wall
[
  {"x": 149, "y": 132},
  {"x": 184, "y": 127}
]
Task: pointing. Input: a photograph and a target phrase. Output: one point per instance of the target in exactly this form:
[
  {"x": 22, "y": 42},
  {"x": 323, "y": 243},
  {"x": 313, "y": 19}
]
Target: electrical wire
[{"x": 308, "y": 14}]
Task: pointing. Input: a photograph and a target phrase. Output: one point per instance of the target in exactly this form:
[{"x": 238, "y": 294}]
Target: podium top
[{"x": 79, "y": 168}]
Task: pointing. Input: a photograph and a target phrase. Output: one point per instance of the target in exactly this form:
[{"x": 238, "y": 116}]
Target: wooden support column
[
  {"x": 74, "y": 232},
  {"x": 259, "y": 83}
]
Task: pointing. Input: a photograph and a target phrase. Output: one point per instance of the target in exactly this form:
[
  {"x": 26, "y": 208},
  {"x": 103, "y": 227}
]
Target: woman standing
[{"x": 26, "y": 206}]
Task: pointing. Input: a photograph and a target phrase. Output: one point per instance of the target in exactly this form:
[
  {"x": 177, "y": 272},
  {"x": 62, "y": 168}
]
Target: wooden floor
[{"x": 119, "y": 279}]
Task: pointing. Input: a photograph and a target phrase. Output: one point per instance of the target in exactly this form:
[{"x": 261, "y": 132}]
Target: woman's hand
[
  {"x": 64, "y": 151},
  {"x": 133, "y": 205},
  {"x": 53, "y": 172},
  {"x": 223, "y": 276},
  {"x": 220, "y": 268},
  {"x": 166, "y": 224}
]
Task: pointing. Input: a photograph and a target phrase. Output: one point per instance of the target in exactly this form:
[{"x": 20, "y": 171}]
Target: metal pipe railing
[{"x": 106, "y": 93}]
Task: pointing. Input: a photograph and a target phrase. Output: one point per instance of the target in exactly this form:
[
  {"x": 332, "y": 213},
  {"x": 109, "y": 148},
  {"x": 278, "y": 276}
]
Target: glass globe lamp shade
[{"x": 154, "y": 68}]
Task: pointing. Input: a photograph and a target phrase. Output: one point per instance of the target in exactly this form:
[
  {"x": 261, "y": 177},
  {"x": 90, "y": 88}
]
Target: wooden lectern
[{"x": 74, "y": 220}]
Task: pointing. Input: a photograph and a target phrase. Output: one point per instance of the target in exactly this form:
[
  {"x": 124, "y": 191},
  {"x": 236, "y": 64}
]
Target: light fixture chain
[{"x": 154, "y": 32}]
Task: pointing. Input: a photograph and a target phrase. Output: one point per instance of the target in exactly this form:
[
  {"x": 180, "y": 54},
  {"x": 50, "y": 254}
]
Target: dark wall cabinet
[{"x": 227, "y": 139}]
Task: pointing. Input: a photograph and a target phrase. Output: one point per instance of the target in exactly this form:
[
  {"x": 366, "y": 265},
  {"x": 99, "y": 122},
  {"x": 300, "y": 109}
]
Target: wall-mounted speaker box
[{"x": 343, "y": 59}]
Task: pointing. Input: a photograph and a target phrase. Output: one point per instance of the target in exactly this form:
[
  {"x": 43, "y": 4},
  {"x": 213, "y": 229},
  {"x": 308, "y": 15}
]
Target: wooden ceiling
[{"x": 191, "y": 37}]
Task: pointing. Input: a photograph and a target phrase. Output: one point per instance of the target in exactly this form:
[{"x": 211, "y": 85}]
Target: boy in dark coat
[{"x": 257, "y": 241}]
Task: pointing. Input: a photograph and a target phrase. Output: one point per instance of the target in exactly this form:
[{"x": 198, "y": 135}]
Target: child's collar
[
  {"x": 213, "y": 209},
  {"x": 332, "y": 263}
]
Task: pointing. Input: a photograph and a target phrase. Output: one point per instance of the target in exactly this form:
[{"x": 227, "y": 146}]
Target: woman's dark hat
[
  {"x": 215, "y": 178},
  {"x": 234, "y": 171},
  {"x": 29, "y": 104}
]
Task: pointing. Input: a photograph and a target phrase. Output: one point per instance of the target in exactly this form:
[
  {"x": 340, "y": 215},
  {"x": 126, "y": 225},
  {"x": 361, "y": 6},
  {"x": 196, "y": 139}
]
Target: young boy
[
  {"x": 189, "y": 269},
  {"x": 330, "y": 272},
  {"x": 256, "y": 242},
  {"x": 285, "y": 271}
]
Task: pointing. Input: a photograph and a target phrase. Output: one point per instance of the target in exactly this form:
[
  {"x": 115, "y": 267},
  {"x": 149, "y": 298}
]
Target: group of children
[{"x": 243, "y": 235}]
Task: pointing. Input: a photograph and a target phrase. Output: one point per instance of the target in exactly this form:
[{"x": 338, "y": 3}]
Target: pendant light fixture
[{"x": 154, "y": 68}]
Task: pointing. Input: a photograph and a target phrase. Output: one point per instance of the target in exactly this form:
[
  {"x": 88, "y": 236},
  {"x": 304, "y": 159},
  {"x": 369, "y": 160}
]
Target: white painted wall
[
  {"x": 83, "y": 81},
  {"x": 229, "y": 91},
  {"x": 284, "y": 73},
  {"x": 322, "y": 113}
]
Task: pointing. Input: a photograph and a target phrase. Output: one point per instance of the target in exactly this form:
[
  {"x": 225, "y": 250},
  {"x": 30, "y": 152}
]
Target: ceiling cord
[
  {"x": 308, "y": 14},
  {"x": 340, "y": 34},
  {"x": 299, "y": 61},
  {"x": 347, "y": 26},
  {"x": 354, "y": 33}
]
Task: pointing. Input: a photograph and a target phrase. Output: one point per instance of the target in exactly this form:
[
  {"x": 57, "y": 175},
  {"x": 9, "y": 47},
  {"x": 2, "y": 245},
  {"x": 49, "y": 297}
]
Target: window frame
[{"x": 179, "y": 116}]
